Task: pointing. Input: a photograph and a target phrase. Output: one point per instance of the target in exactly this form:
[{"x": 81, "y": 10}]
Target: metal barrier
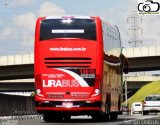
[{"x": 11, "y": 105}]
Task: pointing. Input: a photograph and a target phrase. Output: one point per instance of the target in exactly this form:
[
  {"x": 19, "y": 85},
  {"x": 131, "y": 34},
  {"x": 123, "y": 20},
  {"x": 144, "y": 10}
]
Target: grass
[{"x": 150, "y": 88}]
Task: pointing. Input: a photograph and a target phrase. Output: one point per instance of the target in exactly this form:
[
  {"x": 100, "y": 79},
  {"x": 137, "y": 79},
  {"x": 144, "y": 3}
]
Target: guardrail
[
  {"x": 16, "y": 105},
  {"x": 142, "y": 51}
]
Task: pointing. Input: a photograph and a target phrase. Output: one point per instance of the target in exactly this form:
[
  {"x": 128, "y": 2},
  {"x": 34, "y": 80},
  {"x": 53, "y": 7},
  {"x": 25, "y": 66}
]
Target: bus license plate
[{"x": 67, "y": 104}]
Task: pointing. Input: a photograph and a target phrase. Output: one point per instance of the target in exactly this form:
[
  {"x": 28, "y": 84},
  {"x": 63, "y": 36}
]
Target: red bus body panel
[{"x": 78, "y": 74}]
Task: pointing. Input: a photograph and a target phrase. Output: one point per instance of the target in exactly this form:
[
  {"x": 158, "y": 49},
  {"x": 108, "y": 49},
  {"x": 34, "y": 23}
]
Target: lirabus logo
[{"x": 148, "y": 7}]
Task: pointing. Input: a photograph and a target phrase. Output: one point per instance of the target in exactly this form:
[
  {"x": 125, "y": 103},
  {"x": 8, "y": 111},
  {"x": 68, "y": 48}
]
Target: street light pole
[{"x": 126, "y": 90}]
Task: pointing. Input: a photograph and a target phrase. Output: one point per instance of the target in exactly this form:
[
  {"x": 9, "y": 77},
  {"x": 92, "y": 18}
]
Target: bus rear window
[{"x": 68, "y": 28}]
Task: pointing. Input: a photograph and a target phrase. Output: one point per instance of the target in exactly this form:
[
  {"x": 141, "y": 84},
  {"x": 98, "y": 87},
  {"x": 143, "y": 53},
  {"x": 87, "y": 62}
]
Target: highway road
[{"x": 84, "y": 120}]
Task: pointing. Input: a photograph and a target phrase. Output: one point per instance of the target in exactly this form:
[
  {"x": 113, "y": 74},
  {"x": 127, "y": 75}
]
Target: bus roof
[{"x": 75, "y": 17}]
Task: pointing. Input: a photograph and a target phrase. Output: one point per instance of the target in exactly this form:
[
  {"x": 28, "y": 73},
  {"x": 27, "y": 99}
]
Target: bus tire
[
  {"x": 51, "y": 117},
  {"x": 104, "y": 117},
  {"x": 113, "y": 116},
  {"x": 145, "y": 112},
  {"x": 67, "y": 117},
  {"x": 47, "y": 117},
  {"x": 100, "y": 117}
]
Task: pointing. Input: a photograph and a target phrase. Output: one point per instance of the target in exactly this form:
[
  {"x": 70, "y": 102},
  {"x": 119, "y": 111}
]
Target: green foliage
[{"x": 150, "y": 88}]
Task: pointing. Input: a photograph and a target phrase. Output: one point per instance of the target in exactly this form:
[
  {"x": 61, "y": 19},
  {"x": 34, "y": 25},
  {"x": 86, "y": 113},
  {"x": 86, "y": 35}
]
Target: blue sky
[{"x": 18, "y": 17}]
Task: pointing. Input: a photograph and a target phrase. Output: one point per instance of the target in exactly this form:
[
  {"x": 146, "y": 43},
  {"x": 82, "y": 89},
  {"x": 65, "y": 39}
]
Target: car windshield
[{"x": 153, "y": 98}]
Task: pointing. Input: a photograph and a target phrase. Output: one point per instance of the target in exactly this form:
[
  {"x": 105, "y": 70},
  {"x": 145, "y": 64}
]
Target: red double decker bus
[{"x": 78, "y": 68}]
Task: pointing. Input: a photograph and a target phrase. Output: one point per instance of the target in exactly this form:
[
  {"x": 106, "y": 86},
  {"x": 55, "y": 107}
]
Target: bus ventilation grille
[{"x": 67, "y": 62}]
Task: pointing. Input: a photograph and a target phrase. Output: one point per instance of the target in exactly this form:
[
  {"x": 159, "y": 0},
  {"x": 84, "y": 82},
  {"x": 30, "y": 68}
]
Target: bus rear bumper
[{"x": 74, "y": 107}]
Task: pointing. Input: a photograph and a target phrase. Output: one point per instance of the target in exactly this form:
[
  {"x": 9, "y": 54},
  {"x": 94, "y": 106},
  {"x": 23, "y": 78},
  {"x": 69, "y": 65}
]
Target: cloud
[
  {"x": 25, "y": 21},
  {"x": 151, "y": 30},
  {"x": 28, "y": 39},
  {"x": 18, "y": 34},
  {"x": 50, "y": 9},
  {"x": 25, "y": 25},
  {"x": 5, "y": 33},
  {"x": 22, "y": 3},
  {"x": 9, "y": 40}
]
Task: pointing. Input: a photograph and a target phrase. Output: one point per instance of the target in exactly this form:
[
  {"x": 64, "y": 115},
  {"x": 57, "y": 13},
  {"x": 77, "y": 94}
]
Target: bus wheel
[
  {"x": 67, "y": 117},
  {"x": 104, "y": 116},
  {"x": 51, "y": 117},
  {"x": 47, "y": 117},
  {"x": 100, "y": 117},
  {"x": 113, "y": 116},
  {"x": 96, "y": 117},
  {"x": 145, "y": 113}
]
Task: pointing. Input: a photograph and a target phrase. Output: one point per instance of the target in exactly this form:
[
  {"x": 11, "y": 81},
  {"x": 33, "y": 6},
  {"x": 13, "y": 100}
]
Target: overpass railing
[{"x": 17, "y": 59}]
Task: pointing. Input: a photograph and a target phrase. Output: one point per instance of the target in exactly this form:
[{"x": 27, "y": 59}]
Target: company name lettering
[
  {"x": 60, "y": 83},
  {"x": 68, "y": 49}
]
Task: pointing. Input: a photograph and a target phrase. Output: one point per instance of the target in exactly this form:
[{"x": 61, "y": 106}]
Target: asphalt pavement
[{"x": 83, "y": 120}]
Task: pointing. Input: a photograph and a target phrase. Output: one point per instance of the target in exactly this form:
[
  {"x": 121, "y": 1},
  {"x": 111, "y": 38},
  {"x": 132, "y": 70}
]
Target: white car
[
  {"x": 151, "y": 104},
  {"x": 136, "y": 107}
]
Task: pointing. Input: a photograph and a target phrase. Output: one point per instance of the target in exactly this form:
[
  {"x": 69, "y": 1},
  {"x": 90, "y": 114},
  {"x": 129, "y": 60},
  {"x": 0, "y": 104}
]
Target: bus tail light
[
  {"x": 97, "y": 84},
  {"x": 38, "y": 85}
]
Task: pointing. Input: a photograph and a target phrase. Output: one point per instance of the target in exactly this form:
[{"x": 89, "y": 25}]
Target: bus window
[{"x": 67, "y": 28}]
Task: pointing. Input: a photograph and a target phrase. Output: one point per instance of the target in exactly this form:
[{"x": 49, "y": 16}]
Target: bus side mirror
[
  {"x": 125, "y": 64},
  {"x": 125, "y": 69}
]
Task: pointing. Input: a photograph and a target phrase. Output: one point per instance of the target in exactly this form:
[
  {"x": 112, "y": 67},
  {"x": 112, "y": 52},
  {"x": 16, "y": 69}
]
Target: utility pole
[{"x": 134, "y": 29}]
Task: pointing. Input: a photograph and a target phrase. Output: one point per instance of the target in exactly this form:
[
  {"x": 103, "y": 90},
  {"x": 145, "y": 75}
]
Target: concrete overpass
[
  {"x": 136, "y": 82},
  {"x": 143, "y": 58},
  {"x": 21, "y": 67}
]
